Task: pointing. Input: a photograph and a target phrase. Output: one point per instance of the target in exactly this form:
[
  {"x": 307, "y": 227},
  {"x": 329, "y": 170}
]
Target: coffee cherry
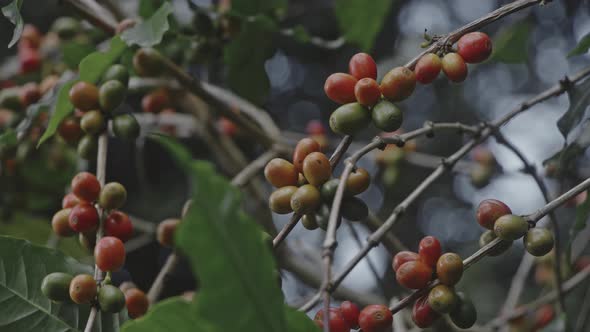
[
  {"x": 463, "y": 314},
  {"x": 60, "y": 223},
  {"x": 88, "y": 147},
  {"x": 93, "y": 122},
  {"x": 337, "y": 322},
  {"x": 84, "y": 96},
  {"x": 354, "y": 209},
  {"x": 306, "y": 199},
  {"x": 362, "y": 65},
  {"x": 66, "y": 27},
  {"x": 280, "y": 200},
  {"x": 136, "y": 302},
  {"x": 428, "y": 68},
  {"x": 543, "y": 316},
  {"x": 474, "y": 47},
  {"x": 56, "y": 285},
  {"x": 309, "y": 221},
  {"x": 316, "y": 168},
  {"x": 111, "y": 94},
  {"x": 111, "y": 299},
  {"x": 510, "y": 227},
  {"x": 302, "y": 149},
  {"x": 538, "y": 241},
  {"x": 402, "y": 257},
  {"x": 31, "y": 35},
  {"x": 29, "y": 94},
  {"x": 489, "y": 210},
  {"x": 281, "y": 173},
  {"x": 414, "y": 274},
  {"x": 166, "y": 230},
  {"x": 83, "y": 217},
  {"x": 315, "y": 127},
  {"x": 69, "y": 201},
  {"x": 339, "y": 87},
  {"x": 429, "y": 250},
  {"x": 69, "y": 129},
  {"x": 375, "y": 318},
  {"x": 449, "y": 269},
  {"x": 358, "y": 181},
  {"x": 328, "y": 190},
  {"x": 109, "y": 254},
  {"x": 148, "y": 62},
  {"x": 126, "y": 127},
  {"x": 387, "y": 117},
  {"x": 85, "y": 186},
  {"x": 398, "y": 84},
  {"x": 367, "y": 92},
  {"x": 112, "y": 196},
  {"x": 155, "y": 101},
  {"x": 442, "y": 299},
  {"x": 454, "y": 67},
  {"x": 487, "y": 237},
  {"x": 349, "y": 119},
  {"x": 30, "y": 60},
  {"x": 422, "y": 313},
  {"x": 83, "y": 289},
  {"x": 117, "y": 72},
  {"x": 119, "y": 225},
  {"x": 350, "y": 312}
]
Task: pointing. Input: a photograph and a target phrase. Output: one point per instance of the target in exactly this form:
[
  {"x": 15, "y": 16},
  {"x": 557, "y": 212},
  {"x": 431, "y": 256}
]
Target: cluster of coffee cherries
[
  {"x": 373, "y": 318},
  {"x": 417, "y": 270},
  {"x": 497, "y": 217},
  {"x": 307, "y": 183},
  {"x": 94, "y": 107},
  {"x": 483, "y": 168}
]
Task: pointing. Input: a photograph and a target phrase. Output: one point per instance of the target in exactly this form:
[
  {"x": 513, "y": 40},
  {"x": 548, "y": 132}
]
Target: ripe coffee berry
[
  {"x": 339, "y": 87},
  {"x": 86, "y": 186},
  {"x": 166, "y": 230},
  {"x": 449, "y": 269},
  {"x": 429, "y": 250},
  {"x": 316, "y": 168},
  {"x": 349, "y": 119},
  {"x": 386, "y": 116},
  {"x": 280, "y": 200},
  {"x": 398, "y": 84},
  {"x": 362, "y": 65},
  {"x": 358, "y": 181},
  {"x": 30, "y": 93},
  {"x": 302, "y": 149},
  {"x": 422, "y": 313},
  {"x": 428, "y": 68},
  {"x": 60, "y": 223},
  {"x": 119, "y": 225},
  {"x": 350, "y": 312},
  {"x": 543, "y": 316},
  {"x": 510, "y": 227},
  {"x": 474, "y": 47},
  {"x": 83, "y": 289},
  {"x": 69, "y": 201},
  {"x": 315, "y": 127},
  {"x": 83, "y": 217},
  {"x": 538, "y": 241},
  {"x": 111, "y": 299},
  {"x": 84, "y": 96},
  {"x": 442, "y": 299},
  {"x": 136, "y": 302},
  {"x": 112, "y": 196},
  {"x": 155, "y": 101},
  {"x": 454, "y": 67},
  {"x": 367, "y": 92},
  {"x": 489, "y": 210},
  {"x": 337, "y": 322},
  {"x": 463, "y": 314},
  {"x": 414, "y": 274},
  {"x": 402, "y": 257},
  {"x": 281, "y": 173},
  {"x": 109, "y": 254},
  {"x": 375, "y": 318},
  {"x": 55, "y": 286},
  {"x": 487, "y": 237},
  {"x": 306, "y": 199},
  {"x": 69, "y": 129}
]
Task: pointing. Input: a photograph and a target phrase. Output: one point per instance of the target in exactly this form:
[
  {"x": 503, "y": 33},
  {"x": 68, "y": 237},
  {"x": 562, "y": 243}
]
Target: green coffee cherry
[
  {"x": 328, "y": 190},
  {"x": 387, "y": 116},
  {"x": 148, "y": 62},
  {"x": 538, "y": 241},
  {"x": 354, "y": 209},
  {"x": 126, "y": 127},
  {"x": 112, "y": 196},
  {"x": 111, "y": 299},
  {"x": 111, "y": 94},
  {"x": 117, "y": 72},
  {"x": 93, "y": 122},
  {"x": 481, "y": 175},
  {"x": 309, "y": 221},
  {"x": 463, "y": 314},
  {"x": 88, "y": 147},
  {"x": 280, "y": 200},
  {"x": 306, "y": 199},
  {"x": 487, "y": 237},
  {"x": 510, "y": 227},
  {"x": 56, "y": 286},
  {"x": 349, "y": 119},
  {"x": 442, "y": 299},
  {"x": 390, "y": 175}
]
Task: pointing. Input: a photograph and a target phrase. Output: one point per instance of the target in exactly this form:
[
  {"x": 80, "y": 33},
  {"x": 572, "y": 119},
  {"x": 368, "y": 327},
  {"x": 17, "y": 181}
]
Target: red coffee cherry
[
  {"x": 489, "y": 210},
  {"x": 375, "y": 318},
  {"x": 414, "y": 274},
  {"x": 543, "y": 316},
  {"x": 428, "y": 68},
  {"x": 402, "y": 257},
  {"x": 109, "y": 254},
  {"x": 362, "y": 65},
  {"x": 302, "y": 149},
  {"x": 316, "y": 168},
  {"x": 422, "y": 313},
  {"x": 83, "y": 217},
  {"x": 166, "y": 230},
  {"x": 69, "y": 201},
  {"x": 337, "y": 322},
  {"x": 84, "y": 96},
  {"x": 119, "y": 225},
  {"x": 30, "y": 93},
  {"x": 449, "y": 269},
  {"x": 86, "y": 186},
  {"x": 227, "y": 127},
  {"x": 315, "y": 127},
  {"x": 350, "y": 312},
  {"x": 69, "y": 129},
  {"x": 32, "y": 35},
  {"x": 83, "y": 289},
  {"x": 454, "y": 67},
  {"x": 474, "y": 47},
  {"x": 155, "y": 101},
  {"x": 30, "y": 60},
  {"x": 281, "y": 173},
  {"x": 339, "y": 87},
  {"x": 367, "y": 92},
  {"x": 429, "y": 250},
  {"x": 137, "y": 303},
  {"x": 398, "y": 84},
  {"x": 60, "y": 223}
]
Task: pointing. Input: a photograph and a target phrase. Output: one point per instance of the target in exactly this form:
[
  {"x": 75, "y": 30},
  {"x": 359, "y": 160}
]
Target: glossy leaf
[
  {"x": 360, "y": 22},
  {"x": 174, "y": 314},
  {"x": 12, "y": 13},
  {"x": 579, "y": 97},
  {"x": 63, "y": 107},
  {"x": 151, "y": 31},
  {"x": 73, "y": 52},
  {"x": 511, "y": 43},
  {"x": 582, "y": 47}
]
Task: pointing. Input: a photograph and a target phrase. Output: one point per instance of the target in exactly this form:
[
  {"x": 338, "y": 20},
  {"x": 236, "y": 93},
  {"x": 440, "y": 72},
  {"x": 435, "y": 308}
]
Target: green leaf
[
  {"x": 298, "y": 321},
  {"x": 147, "y": 8},
  {"x": 300, "y": 34},
  {"x": 175, "y": 313},
  {"x": 511, "y": 43},
  {"x": 360, "y": 22},
  {"x": 255, "y": 7},
  {"x": 12, "y": 13},
  {"x": 73, "y": 52},
  {"x": 8, "y": 138},
  {"x": 582, "y": 46},
  {"x": 579, "y": 96},
  {"x": 245, "y": 56},
  {"x": 63, "y": 108},
  {"x": 151, "y": 31}
]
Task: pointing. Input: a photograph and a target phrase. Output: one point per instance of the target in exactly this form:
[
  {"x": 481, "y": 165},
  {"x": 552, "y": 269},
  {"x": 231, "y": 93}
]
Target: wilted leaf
[
  {"x": 361, "y": 21},
  {"x": 151, "y": 31},
  {"x": 582, "y": 46},
  {"x": 511, "y": 43},
  {"x": 12, "y": 13}
]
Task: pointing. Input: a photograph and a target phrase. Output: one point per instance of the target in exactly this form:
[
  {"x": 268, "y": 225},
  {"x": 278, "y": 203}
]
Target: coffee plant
[{"x": 149, "y": 182}]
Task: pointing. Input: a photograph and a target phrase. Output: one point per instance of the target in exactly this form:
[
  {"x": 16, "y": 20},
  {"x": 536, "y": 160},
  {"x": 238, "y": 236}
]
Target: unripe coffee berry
[
  {"x": 362, "y": 65},
  {"x": 386, "y": 116},
  {"x": 358, "y": 181},
  {"x": 402, "y": 257},
  {"x": 354, "y": 209},
  {"x": 429, "y": 250},
  {"x": 83, "y": 217},
  {"x": 375, "y": 318},
  {"x": 306, "y": 199},
  {"x": 442, "y": 299},
  {"x": 339, "y": 87},
  {"x": 349, "y": 119},
  {"x": 56, "y": 285},
  {"x": 111, "y": 94},
  {"x": 398, "y": 84},
  {"x": 454, "y": 67},
  {"x": 336, "y": 320},
  {"x": 463, "y": 314},
  {"x": 428, "y": 68},
  {"x": 84, "y": 96},
  {"x": 60, "y": 223},
  {"x": 112, "y": 196},
  {"x": 166, "y": 230},
  {"x": 480, "y": 175},
  {"x": 117, "y": 72},
  {"x": 328, "y": 190},
  {"x": 489, "y": 210},
  {"x": 125, "y": 126},
  {"x": 280, "y": 200},
  {"x": 510, "y": 227},
  {"x": 302, "y": 149},
  {"x": 422, "y": 313},
  {"x": 350, "y": 312},
  {"x": 449, "y": 269},
  {"x": 414, "y": 274},
  {"x": 474, "y": 47},
  {"x": 119, "y": 225},
  {"x": 83, "y": 289},
  {"x": 487, "y": 237},
  {"x": 93, "y": 122},
  {"x": 111, "y": 299},
  {"x": 88, "y": 147},
  {"x": 316, "y": 168},
  {"x": 109, "y": 254},
  {"x": 136, "y": 302},
  {"x": 86, "y": 186},
  {"x": 281, "y": 173},
  {"x": 309, "y": 221},
  {"x": 538, "y": 241},
  {"x": 367, "y": 92},
  {"x": 69, "y": 201},
  {"x": 148, "y": 62}
]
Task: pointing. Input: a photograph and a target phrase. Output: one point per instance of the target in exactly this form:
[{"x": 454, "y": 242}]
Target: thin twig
[
  {"x": 390, "y": 241},
  {"x": 159, "y": 283}
]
